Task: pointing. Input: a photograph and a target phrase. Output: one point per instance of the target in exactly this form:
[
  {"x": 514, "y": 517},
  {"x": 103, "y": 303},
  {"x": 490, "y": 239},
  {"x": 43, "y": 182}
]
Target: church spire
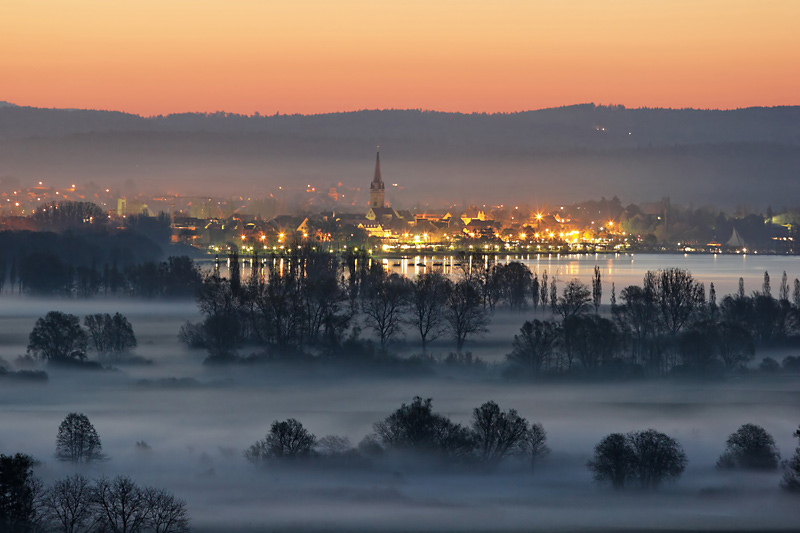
[
  {"x": 377, "y": 178},
  {"x": 376, "y": 189}
]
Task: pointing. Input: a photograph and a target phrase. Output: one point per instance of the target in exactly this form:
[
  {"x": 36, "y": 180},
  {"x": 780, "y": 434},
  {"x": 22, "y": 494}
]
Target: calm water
[{"x": 724, "y": 270}]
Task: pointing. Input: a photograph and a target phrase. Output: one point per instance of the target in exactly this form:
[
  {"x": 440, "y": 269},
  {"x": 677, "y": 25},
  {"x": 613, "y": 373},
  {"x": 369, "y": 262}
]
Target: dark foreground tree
[
  {"x": 648, "y": 457},
  {"x": 69, "y": 504},
  {"x": 285, "y": 440},
  {"x": 497, "y": 434},
  {"x": 78, "y": 505},
  {"x": 19, "y": 491},
  {"x": 791, "y": 469},
  {"x": 58, "y": 337},
  {"x": 121, "y": 505},
  {"x": 751, "y": 448},
  {"x": 77, "y": 440},
  {"x": 165, "y": 512}
]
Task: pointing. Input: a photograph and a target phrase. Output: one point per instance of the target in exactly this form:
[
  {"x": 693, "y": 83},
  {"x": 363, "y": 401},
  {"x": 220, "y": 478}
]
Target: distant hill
[{"x": 570, "y": 153}]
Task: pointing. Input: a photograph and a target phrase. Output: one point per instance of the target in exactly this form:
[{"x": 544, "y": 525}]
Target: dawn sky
[{"x": 301, "y": 56}]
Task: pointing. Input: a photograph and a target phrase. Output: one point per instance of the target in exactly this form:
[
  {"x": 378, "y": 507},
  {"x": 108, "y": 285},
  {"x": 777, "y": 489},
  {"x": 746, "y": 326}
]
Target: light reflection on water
[{"x": 724, "y": 270}]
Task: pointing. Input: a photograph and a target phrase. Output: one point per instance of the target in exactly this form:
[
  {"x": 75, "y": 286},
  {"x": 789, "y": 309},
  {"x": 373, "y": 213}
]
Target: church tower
[{"x": 376, "y": 189}]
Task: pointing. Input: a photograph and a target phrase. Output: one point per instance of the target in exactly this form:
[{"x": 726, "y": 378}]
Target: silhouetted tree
[
  {"x": 791, "y": 469},
  {"x": 415, "y": 427},
  {"x": 536, "y": 443},
  {"x": 574, "y": 300},
  {"x": 58, "y": 337},
  {"x": 649, "y": 457},
  {"x": 592, "y": 339},
  {"x": 221, "y": 330},
  {"x": 165, "y": 512},
  {"x": 44, "y": 273},
  {"x": 497, "y": 434},
  {"x": 69, "y": 504},
  {"x": 19, "y": 493},
  {"x": 750, "y": 448},
  {"x": 427, "y": 299},
  {"x": 515, "y": 281},
  {"x": 110, "y": 335},
  {"x": 678, "y": 295},
  {"x": 597, "y": 289},
  {"x": 533, "y": 348},
  {"x": 122, "y": 506},
  {"x": 658, "y": 457},
  {"x": 384, "y": 307},
  {"x": 66, "y": 215},
  {"x": 285, "y": 440},
  {"x": 613, "y": 461},
  {"x": 464, "y": 313},
  {"x": 77, "y": 440},
  {"x": 735, "y": 345}
]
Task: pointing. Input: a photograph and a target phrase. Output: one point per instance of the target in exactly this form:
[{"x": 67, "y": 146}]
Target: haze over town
[{"x": 431, "y": 266}]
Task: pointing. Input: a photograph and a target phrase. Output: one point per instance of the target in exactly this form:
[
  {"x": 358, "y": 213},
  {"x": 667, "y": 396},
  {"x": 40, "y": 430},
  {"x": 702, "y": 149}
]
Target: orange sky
[{"x": 303, "y": 56}]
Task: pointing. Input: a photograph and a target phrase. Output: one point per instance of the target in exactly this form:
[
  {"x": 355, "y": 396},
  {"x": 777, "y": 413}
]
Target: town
[{"x": 337, "y": 218}]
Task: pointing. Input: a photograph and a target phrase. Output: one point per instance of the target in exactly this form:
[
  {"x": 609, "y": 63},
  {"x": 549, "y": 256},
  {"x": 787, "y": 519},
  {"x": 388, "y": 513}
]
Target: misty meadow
[{"x": 321, "y": 392}]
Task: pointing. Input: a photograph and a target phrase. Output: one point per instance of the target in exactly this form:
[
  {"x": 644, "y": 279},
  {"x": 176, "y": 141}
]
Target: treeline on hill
[
  {"x": 74, "y": 251},
  {"x": 312, "y": 303}
]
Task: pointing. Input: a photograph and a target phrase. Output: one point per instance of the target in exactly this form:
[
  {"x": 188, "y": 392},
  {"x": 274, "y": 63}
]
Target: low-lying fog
[{"x": 196, "y": 432}]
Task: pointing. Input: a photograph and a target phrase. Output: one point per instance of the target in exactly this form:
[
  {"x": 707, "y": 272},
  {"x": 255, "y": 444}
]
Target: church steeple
[
  {"x": 377, "y": 178},
  {"x": 376, "y": 188}
]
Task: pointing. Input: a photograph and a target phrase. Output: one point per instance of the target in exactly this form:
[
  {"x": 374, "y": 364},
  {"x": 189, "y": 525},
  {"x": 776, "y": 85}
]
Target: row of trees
[
  {"x": 646, "y": 458},
  {"x": 313, "y": 300},
  {"x": 415, "y": 431},
  {"x": 45, "y": 273},
  {"x": 77, "y": 504},
  {"x": 666, "y": 325},
  {"x": 59, "y": 337}
]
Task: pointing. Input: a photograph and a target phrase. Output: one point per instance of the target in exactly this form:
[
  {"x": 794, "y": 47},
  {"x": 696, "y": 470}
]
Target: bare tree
[
  {"x": 574, "y": 300},
  {"x": 678, "y": 295},
  {"x": 533, "y": 348},
  {"x": 165, "y": 512},
  {"x": 122, "y": 506},
  {"x": 464, "y": 312},
  {"x": 427, "y": 300},
  {"x": 536, "y": 443},
  {"x": 384, "y": 307},
  {"x": 70, "y": 504},
  {"x": 497, "y": 434},
  {"x": 110, "y": 335},
  {"x": 285, "y": 440}
]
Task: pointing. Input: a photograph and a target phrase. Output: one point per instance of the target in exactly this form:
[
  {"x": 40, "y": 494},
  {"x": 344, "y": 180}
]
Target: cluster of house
[{"x": 383, "y": 225}]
